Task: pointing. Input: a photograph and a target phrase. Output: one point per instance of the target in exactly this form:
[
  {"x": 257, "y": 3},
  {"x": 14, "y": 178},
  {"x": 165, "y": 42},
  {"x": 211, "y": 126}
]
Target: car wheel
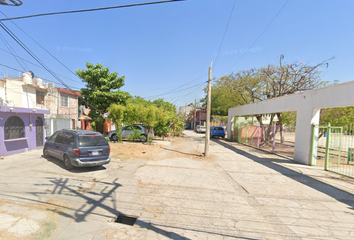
[
  {"x": 143, "y": 138},
  {"x": 67, "y": 163},
  {"x": 114, "y": 138},
  {"x": 46, "y": 153}
]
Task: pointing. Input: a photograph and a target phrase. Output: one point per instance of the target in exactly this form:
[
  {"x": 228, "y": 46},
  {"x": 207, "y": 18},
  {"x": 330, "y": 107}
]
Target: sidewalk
[{"x": 237, "y": 193}]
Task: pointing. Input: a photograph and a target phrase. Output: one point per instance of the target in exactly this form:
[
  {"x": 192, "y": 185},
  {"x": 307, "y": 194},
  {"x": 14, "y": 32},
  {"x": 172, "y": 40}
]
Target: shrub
[
  {"x": 134, "y": 136},
  {"x": 119, "y": 136}
]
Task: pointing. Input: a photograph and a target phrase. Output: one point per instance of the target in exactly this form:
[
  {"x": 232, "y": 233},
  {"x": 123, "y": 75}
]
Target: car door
[
  {"x": 50, "y": 144},
  {"x": 126, "y": 131},
  {"x": 61, "y": 145}
]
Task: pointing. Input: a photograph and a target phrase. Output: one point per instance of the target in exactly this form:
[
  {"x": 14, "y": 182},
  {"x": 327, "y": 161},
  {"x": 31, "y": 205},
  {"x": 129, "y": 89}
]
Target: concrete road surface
[{"x": 236, "y": 193}]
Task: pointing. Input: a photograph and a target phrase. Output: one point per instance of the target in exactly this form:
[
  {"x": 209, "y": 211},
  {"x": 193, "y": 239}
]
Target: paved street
[{"x": 236, "y": 193}]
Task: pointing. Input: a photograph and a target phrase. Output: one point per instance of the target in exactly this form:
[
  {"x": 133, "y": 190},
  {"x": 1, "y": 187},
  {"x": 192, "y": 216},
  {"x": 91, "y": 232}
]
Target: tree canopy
[
  {"x": 101, "y": 90},
  {"x": 158, "y": 115},
  {"x": 255, "y": 85}
]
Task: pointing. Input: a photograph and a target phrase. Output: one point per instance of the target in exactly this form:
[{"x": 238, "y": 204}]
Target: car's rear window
[
  {"x": 92, "y": 140},
  {"x": 218, "y": 128}
]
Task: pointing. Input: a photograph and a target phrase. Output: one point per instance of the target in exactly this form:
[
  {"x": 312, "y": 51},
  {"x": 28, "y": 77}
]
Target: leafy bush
[
  {"x": 177, "y": 126},
  {"x": 134, "y": 136},
  {"x": 119, "y": 136}
]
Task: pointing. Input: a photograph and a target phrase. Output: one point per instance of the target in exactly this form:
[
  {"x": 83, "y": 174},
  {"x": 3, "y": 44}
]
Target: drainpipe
[{"x": 58, "y": 102}]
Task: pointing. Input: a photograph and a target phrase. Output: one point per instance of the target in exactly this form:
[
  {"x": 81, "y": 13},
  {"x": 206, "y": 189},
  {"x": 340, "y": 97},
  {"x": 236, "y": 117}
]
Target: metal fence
[
  {"x": 54, "y": 124},
  {"x": 266, "y": 137},
  {"x": 333, "y": 148}
]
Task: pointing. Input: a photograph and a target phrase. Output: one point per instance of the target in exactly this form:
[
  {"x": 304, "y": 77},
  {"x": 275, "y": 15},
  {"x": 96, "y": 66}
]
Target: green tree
[
  {"x": 340, "y": 116},
  {"x": 158, "y": 115},
  {"x": 101, "y": 90},
  {"x": 255, "y": 85}
]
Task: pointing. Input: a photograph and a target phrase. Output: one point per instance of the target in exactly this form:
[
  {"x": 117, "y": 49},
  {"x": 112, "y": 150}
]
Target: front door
[{"x": 39, "y": 132}]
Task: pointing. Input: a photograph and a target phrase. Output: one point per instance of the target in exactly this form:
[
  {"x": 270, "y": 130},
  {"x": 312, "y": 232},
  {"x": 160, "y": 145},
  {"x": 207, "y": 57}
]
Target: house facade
[
  {"x": 22, "y": 110},
  {"x": 198, "y": 117},
  {"x": 64, "y": 109}
]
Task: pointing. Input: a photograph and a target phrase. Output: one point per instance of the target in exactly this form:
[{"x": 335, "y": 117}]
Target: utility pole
[{"x": 207, "y": 132}]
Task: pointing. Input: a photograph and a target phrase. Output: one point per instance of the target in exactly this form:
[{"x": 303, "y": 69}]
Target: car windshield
[
  {"x": 218, "y": 128},
  {"x": 92, "y": 140}
]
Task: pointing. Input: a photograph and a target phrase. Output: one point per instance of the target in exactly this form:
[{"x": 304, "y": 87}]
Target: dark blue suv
[{"x": 78, "y": 148}]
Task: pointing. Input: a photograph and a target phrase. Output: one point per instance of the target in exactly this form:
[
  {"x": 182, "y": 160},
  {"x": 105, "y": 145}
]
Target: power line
[
  {"x": 13, "y": 36},
  {"x": 265, "y": 29},
  {"x": 185, "y": 96},
  {"x": 177, "y": 90},
  {"x": 11, "y": 50},
  {"x": 41, "y": 46},
  {"x": 39, "y": 66},
  {"x": 173, "y": 90},
  {"x": 15, "y": 69},
  {"x": 222, "y": 40},
  {"x": 90, "y": 10}
]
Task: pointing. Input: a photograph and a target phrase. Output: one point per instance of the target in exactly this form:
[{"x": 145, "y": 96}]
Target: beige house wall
[
  {"x": 2, "y": 90},
  {"x": 14, "y": 92}
]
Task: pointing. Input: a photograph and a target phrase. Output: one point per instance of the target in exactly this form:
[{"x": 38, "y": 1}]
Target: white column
[{"x": 304, "y": 119}]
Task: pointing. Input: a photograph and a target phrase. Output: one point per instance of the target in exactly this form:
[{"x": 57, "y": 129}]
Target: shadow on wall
[{"x": 16, "y": 145}]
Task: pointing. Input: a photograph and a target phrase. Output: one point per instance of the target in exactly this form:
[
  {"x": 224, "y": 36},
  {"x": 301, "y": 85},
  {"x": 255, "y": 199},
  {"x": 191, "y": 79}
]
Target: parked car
[
  {"x": 127, "y": 130},
  {"x": 200, "y": 129},
  {"x": 78, "y": 148},
  {"x": 217, "y": 132}
]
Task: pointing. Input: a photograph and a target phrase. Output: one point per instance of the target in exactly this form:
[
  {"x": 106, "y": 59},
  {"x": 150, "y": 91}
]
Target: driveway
[{"x": 237, "y": 192}]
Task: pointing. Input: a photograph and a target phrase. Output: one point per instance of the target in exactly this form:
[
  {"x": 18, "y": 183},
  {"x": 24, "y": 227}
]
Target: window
[
  {"x": 92, "y": 140},
  {"x": 14, "y": 128},
  {"x": 64, "y": 101},
  {"x": 60, "y": 138},
  {"x": 39, "y": 97}
]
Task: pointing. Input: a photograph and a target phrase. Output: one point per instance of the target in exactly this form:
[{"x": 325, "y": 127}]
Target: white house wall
[
  {"x": 14, "y": 93},
  {"x": 307, "y": 105},
  {"x": 2, "y": 89},
  {"x": 28, "y": 97}
]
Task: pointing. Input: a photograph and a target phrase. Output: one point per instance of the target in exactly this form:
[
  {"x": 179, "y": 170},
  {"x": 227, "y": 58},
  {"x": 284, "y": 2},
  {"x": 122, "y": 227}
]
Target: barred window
[
  {"x": 64, "y": 101},
  {"x": 39, "y": 97},
  {"x": 14, "y": 128}
]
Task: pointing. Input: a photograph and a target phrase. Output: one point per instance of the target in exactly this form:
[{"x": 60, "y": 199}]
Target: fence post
[
  {"x": 274, "y": 129},
  {"x": 247, "y": 133},
  {"x": 259, "y": 133},
  {"x": 327, "y": 145},
  {"x": 312, "y": 145}
]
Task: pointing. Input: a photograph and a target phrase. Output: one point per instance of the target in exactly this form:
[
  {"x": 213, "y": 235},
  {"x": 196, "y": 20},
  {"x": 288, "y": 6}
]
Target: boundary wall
[{"x": 307, "y": 105}]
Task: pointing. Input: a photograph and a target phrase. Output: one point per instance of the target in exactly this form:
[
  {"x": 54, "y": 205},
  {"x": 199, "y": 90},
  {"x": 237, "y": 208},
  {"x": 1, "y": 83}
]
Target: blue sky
[{"x": 161, "y": 47}]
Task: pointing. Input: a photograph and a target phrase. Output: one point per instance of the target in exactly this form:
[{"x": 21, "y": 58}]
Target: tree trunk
[{"x": 281, "y": 130}]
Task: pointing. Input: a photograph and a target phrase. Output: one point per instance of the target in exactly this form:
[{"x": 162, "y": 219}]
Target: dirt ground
[{"x": 179, "y": 147}]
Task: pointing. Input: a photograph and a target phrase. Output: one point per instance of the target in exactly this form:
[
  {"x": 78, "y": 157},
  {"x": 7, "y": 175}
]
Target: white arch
[{"x": 307, "y": 104}]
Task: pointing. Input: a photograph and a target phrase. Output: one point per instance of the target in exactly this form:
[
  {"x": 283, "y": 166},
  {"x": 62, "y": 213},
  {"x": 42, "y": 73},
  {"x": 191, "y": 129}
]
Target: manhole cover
[{"x": 124, "y": 219}]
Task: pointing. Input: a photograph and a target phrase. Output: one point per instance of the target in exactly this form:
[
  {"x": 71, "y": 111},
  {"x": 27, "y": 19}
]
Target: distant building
[{"x": 186, "y": 109}]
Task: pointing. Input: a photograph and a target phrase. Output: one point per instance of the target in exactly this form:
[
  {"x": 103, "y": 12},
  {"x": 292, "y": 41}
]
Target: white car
[{"x": 201, "y": 129}]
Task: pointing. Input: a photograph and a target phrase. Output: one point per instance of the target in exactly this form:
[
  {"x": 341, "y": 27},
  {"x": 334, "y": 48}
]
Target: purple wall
[{"x": 28, "y": 116}]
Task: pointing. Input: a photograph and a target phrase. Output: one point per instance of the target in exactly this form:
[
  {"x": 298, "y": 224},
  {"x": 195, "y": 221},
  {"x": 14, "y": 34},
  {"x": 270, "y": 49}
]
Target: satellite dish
[{"x": 11, "y": 2}]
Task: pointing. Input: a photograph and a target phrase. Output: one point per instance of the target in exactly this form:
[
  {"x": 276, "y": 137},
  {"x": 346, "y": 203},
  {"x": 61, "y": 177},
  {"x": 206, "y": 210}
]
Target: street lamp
[{"x": 12, "y": 2}]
